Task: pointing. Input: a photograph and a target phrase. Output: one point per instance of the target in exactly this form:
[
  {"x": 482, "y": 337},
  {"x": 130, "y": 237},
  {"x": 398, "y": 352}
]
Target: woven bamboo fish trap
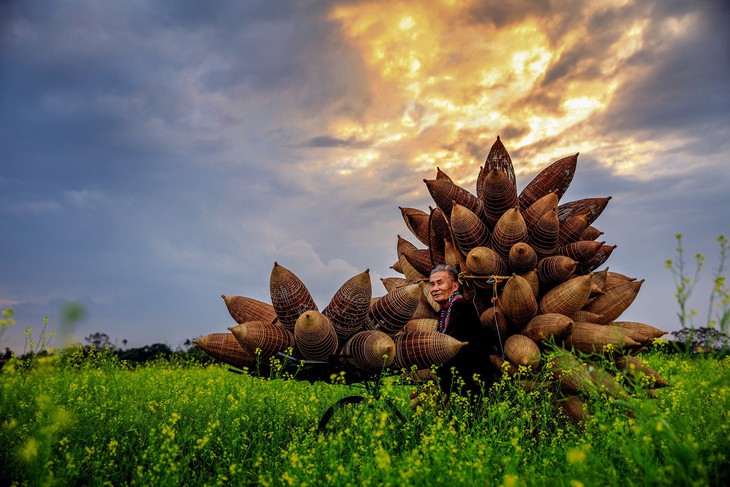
[
  {"x": 417, "y": 222},
  {"x": 483, "y": 261},
  {"x": 616, "y": 278},
  {"x": 521, "y": 350},
  {"x": 641, "y": 328},
  {"x": 289, "y": 296},
  {"x": 391, "y": 312},
  {"x": 315, "y": 336},
  {"x": 600, "y": 258},
  {"x": 568, "y": 297},
  {"x": 570, "y": 374},
  {"x": 635, "y": 368},
  {"x": 539, "y": 208},
  {"x": 571, "y": 228},
  {"x": 225, "y": 347},
  {"x": 498, "y": 195},
  {"x": 498, "y": 158},
  {"x": 369, "y": 350},
  {"x": 442, "y": 176},
  {"x": 404, "y": 245},
  {"x": 503, "y": 366},
  {"x": 598, "y": 279},
  {"x": 426, "y": 293},
  {"x": 423, "y": 349},
  {"x": 440, "y": 227},
  {"x": 548, "y": 326},
  {"x": 555, "y": 269},
  {"x": 426, "y": 229},
  {"x": 555, "y": 178},
  {"x": 480, "y": 179},
  {"x": 260, "y": 338},
  {"x": 391, "y": 283},
  {"x": 522, "y": 258},
  {"x": 469, "y": 231},
  {"x": 615, "y": 300},
  {"x": 348, "y": 308},
  {"x": 424, "y": 309},
  {"x": 590, "y": 233},
  {"x": 495, "y": 322},
  {"x": 243, "y": 309},
  {"x": 582, "y": 250},
  {"x": 411, "y": 273},
  {"x": 592, "y": 338},
  {"x": 407, "y": 213},
  {"x": 596, "y": 290},
  {"x": 509, "y": 230},
  {"x": 517, "y": 301},
  {"x": 607, "y": 383},
  {"x": 446, "y": 193},
  {"x": 453, "y": 256},
  {"x": 531, "y": 385},
  {"x": 396, "y": 267},
  {"x": 421, "y": 324},
  {"x": 590, "y": 207},
  {"x": 544, "y": 235},
  {"x": 586, "y": 316},
  {"x": 423, "y": 260},
  {"x": 574, "y": 409},
  {"x": 533, "y": 281},
  {"x": 635, "y": 336}
]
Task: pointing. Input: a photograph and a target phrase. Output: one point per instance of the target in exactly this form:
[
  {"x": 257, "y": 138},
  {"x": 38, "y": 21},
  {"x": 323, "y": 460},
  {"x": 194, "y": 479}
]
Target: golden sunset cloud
[{"x": 442, "y": 84}]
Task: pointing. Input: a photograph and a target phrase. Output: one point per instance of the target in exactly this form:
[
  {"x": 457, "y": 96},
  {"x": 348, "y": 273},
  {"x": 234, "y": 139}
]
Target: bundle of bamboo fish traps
[
  {"x": 354, "y": 332},
  {"x": 529, "y": 263}
]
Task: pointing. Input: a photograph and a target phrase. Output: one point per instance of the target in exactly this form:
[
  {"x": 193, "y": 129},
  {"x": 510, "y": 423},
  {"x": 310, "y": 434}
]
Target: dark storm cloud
[
  {"x": 114, "y": 101},
  {"x": 326, "y": 141},
  {"x": 88, "y": 84},
  {"x": 685, "y": 84}
]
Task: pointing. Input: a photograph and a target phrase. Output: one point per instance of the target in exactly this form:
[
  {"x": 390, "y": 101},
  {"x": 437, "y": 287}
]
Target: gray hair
[{"x": 446, "y": 268}]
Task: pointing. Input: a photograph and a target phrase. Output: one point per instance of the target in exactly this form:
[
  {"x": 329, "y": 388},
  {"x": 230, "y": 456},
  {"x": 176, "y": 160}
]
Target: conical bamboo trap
[{"x": 528, "y": 261}]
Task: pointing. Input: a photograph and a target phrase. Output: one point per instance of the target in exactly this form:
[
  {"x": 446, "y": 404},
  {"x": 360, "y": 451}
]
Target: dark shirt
[{"x": 464, "y": 325}]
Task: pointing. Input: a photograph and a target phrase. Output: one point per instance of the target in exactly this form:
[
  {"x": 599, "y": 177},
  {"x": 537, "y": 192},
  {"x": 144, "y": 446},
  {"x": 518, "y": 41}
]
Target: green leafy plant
[
  {"x": 157, "y": 423},
  {"x": 34, "y": 349},
  {"x": 6, "y": 321},
  {"x": 720, "y": 295},
  {"x": 685, "y": 280},
  {"x": 683, "y": 283}
]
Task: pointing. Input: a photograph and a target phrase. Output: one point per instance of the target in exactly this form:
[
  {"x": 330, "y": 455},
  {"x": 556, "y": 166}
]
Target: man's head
[{"x": 443, "y": 282}]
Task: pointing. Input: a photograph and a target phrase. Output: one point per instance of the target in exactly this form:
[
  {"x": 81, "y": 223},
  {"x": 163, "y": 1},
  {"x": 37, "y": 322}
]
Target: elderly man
[{"x": 459, "y": 318}]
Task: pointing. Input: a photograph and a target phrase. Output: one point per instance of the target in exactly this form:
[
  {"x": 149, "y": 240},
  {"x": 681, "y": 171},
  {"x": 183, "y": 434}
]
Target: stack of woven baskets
[
  {"x": 368, "y": 334},
  {"x": 529, "y": 264}
]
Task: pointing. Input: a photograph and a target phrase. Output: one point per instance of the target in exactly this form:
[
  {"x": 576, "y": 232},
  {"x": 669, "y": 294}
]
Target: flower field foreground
[{"x": 97, "y": 421}]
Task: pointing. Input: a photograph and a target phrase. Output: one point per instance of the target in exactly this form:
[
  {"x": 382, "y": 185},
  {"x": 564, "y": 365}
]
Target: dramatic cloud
[{"x": 157, "y": 155}]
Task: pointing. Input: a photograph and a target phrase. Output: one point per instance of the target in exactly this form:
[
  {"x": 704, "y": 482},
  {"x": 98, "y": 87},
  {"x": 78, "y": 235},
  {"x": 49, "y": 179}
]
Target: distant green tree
[
  {"x": 148, "y": 352},
  {"x": 98, "y": 340}
]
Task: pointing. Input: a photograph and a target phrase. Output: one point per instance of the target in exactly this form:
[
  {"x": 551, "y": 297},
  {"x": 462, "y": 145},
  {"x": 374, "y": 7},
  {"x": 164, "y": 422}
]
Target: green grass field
[{"x": 96, "y": 421}]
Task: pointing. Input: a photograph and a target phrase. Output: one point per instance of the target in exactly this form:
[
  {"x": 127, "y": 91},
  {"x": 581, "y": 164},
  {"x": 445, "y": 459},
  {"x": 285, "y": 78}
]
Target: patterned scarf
[{"x": 445, "y": 312}]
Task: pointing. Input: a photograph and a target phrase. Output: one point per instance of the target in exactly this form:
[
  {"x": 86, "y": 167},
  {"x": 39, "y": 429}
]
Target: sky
[{"x": 156, "y": 155}]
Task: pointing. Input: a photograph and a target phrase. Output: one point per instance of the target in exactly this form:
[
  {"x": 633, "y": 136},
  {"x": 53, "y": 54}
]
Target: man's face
[{"x": 442, "y": 285}]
